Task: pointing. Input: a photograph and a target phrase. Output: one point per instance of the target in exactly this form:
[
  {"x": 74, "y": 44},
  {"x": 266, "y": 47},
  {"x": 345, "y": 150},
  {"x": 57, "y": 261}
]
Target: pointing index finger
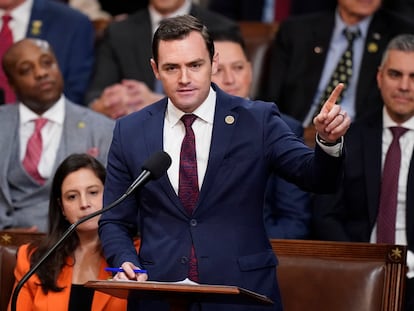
[{"x": 331, "y": 101}]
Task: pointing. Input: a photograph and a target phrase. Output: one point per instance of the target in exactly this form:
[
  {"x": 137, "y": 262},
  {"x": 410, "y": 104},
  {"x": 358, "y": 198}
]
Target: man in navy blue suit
[
  {"x": 69, "y": 32},
  {"x": 238, "y": 144},
  {"x": 287, "y": 209}
]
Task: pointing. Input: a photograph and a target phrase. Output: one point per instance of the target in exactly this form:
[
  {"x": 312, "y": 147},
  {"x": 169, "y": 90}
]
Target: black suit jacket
[
  {"x": 298, "y": 56},
  {"x": 125, "y": 51},
  {"x": 351, "y": 213}
]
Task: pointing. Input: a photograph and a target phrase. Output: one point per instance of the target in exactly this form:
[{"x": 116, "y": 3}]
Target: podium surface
[{"x": 180, "y": 295}]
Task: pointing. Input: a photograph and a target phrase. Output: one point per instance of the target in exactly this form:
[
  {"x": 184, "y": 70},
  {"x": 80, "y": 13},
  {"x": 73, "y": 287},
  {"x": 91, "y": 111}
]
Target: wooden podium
[{"x": 181, "y": 295}]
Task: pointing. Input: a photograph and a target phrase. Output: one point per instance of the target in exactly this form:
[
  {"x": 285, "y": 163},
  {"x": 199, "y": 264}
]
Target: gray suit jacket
[{"x": 83, "y": 131}]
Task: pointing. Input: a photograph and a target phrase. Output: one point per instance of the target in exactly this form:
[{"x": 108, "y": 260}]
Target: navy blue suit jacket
[
  {"x": 72, "y": 37},
  {"x": 226, "y": 228},
  {"x": 287, "y": 209}
]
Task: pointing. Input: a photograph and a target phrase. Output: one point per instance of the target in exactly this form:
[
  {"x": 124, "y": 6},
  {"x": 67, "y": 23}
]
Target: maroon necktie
[
  {"x": 188, "y": 182},
  {"x": 282, "y": 10},
  {"x": 6, "y": 41},
  {"x": 34, "y": 151},
  {"x": 389, "y": 189}
]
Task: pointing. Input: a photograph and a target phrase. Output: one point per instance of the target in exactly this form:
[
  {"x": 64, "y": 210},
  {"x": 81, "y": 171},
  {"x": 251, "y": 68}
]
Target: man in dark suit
[
  {"x": 207, "y": 225},
  {"x": 123, "y": 80},
  {"x": 352, "y": 213},
  {"x": 305, "y": 51},
  {"x": 287, "y": 209},
  {"x": 69, "y": 32}
]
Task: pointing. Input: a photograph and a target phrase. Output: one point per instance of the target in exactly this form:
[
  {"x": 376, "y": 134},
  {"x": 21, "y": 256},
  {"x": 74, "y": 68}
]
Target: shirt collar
[
  {"x": 56, "y": 113},
  {"x": 156, "y": 17},
  {"x": 205, "y": 112},
  {"x": 388, "y": 122},
  {"x": 20, "y": 14}
]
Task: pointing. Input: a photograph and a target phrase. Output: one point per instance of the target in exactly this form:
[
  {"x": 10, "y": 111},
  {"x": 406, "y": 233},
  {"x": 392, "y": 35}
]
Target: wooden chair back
[{"x": 326, "y": 276}]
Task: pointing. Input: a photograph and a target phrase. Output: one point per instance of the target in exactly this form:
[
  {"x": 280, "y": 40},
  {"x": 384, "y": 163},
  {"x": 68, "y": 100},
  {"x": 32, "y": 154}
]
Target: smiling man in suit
[
  {"x": 203, "y": 220},
  {"x": 50, "y": 124},
  {"x": 307, "y": 49}
]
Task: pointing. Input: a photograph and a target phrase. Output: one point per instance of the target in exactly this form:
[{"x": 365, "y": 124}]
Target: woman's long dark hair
[{"x": 51, "y": 268}]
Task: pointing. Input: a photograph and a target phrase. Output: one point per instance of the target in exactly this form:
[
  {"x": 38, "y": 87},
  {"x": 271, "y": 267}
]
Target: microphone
[{"x": 155, "y": 166}]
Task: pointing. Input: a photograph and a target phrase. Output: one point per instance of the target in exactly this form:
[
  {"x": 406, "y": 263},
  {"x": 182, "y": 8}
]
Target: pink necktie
[
  {"x": 6, "y": 41},
  {"x": 188, "y": 182},
  {"x": 34, "y": 151},
  {"x": 389, "y": 189}
]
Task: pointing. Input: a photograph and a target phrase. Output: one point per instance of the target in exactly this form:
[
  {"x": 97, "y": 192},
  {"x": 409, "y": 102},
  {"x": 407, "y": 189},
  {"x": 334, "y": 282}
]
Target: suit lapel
[
  {"x": 372, "y": 159},
  {"x": 100, "y": 300},
  {"x": 61, "y": 298},
  {"x": 141, "y": 52},
  {"x": 376, "y": 41},
  {"x": 10, "y": 121},
  {"x": 409, "y": 213},
  {"x": 70, "y": 135},
  {"x": 317, "y": 44},
  {"x": 38, "y": 21},
  {"x": 222, "y": 132},
  {"x": 153, "y": 140}
]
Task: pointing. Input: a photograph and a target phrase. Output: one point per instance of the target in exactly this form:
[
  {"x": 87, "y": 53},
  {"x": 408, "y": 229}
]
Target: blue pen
[{"x": 122, "y": 270}]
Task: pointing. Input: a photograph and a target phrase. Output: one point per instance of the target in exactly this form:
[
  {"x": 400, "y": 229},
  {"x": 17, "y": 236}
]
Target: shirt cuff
[{"x": 334, "y": 150}]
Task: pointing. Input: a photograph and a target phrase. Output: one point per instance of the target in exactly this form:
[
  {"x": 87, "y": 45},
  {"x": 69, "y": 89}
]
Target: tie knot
[
  {"x": 351, "y": 35},
  {"x": 398, "y": 131},
  {"x": 40, "y": 123},
  {"x": 6, "y": 18},
  {"x": 188, "y": 119}
]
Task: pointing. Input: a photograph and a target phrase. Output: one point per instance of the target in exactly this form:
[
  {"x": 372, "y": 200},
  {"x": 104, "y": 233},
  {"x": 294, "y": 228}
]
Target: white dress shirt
[
  {"x": 407, "y": 145},
  {"x": 51, "y": 134},
  {"x": 174, "y": 132},
  {"x": 20, "y": 20}
]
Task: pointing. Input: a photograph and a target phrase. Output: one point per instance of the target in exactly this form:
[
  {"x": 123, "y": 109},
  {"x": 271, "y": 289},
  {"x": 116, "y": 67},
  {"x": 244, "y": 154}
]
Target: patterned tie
[
  {"x": 34, "y": 151},
  {"x": 389, "y": 189},
  {"x": 343, "y": 70},
  {"x": 188, "y": 182},
  {"x": 6, "y": 40}
]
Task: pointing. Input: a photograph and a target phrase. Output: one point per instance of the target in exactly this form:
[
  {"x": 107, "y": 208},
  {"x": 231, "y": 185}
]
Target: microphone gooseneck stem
[{"x": 70, "y": 229}]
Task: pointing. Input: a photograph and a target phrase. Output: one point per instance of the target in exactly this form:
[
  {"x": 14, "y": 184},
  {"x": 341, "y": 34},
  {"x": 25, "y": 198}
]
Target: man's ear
[
  {"x": 155, "y": 68},
  {"x": 215, "y": 63}
]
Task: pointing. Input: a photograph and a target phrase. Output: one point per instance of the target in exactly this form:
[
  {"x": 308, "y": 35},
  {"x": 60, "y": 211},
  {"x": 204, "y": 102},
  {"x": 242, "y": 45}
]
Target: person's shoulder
[
  {"x": 308, "y": 21},
  {"x": 57, "y": 10},
  {"x": 133, "y": 21},
  {"x": 393, "y": 20},
  {"x": 75, "y": 110},
  {"x": 214, "y": 21},
  {"x": 5, "y": 109}
]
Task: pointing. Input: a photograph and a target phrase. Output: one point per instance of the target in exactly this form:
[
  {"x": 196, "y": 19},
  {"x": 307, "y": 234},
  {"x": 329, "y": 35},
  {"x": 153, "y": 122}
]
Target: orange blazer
[{"x": 32, "y": 298}]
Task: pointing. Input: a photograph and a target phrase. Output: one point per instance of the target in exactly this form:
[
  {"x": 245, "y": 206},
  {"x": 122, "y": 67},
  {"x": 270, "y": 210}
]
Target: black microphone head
[{"x": 157, "y": 164}]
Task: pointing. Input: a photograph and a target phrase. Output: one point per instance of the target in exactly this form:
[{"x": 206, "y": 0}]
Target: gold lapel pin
[
  {"x": 36, "y": 27},
  {"x": 372, "y": 47}
]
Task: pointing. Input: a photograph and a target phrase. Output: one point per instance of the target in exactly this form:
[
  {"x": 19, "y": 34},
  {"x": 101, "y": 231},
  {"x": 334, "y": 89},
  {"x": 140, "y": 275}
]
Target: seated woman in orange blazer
[{"x": 77, "y": 191}]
